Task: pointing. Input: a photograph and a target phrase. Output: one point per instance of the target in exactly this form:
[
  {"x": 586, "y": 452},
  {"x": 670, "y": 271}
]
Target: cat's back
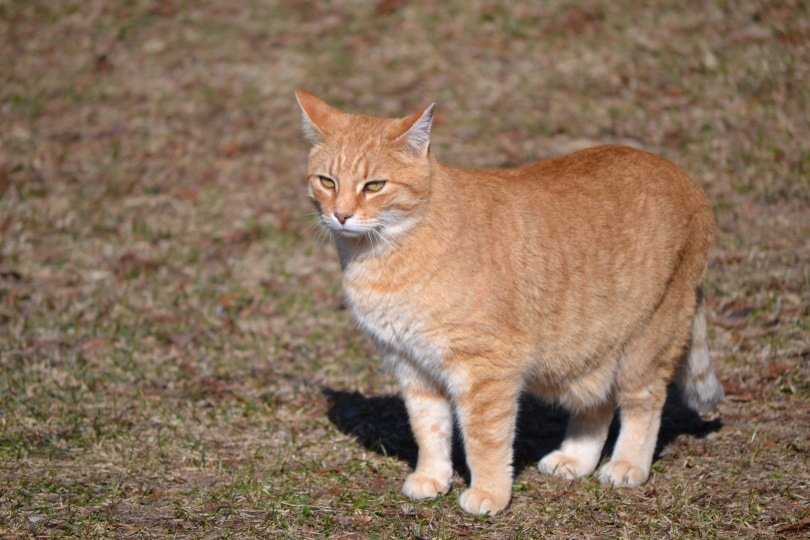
[
  {"x": 615, "y": 189},
  {"x": 608, "y": 170}
]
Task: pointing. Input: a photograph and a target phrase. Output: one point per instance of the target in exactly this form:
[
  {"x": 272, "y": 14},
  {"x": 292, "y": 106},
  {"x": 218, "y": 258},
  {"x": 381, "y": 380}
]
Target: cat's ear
[
  {"x": 316, "y": 116},
  {"x": 416, "y": 137}
]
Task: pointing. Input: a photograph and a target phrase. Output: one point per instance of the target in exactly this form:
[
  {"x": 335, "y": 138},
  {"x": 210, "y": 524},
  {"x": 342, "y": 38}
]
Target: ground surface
[{"x": 175, "y": 359}]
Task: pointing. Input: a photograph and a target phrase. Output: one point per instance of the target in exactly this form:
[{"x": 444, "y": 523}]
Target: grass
[{"x": 175, "y": 356}]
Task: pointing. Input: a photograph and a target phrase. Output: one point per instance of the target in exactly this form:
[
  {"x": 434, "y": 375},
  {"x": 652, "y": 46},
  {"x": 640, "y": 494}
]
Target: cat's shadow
[{"x": 380, "y": 424}]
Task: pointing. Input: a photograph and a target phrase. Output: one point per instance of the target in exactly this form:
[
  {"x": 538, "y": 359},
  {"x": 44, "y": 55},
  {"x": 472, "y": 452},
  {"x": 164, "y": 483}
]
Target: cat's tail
[{"x": 695, "y": 379}]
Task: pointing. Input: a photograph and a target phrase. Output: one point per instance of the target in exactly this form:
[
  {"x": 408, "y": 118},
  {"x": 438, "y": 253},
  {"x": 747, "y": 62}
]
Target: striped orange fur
[{"x": 576, "y": 278}]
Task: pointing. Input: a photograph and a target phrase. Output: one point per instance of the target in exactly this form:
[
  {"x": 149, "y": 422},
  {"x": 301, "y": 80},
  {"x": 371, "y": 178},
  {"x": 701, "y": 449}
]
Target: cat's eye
[
  {"x": 327, "y": 182},
  {"x": 376, "y": 185}
]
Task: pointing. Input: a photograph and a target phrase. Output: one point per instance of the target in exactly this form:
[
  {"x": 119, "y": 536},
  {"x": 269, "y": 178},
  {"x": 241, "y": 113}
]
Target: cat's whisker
[
  {"x": 311, "y": 214},
  {"x": 368, "y": 234},
  {"x": 380, "y": 236},
  {"x": 318, "y": 225},
  {"x": 315, "y": 223},
  {"x": 324, "y": 234}
]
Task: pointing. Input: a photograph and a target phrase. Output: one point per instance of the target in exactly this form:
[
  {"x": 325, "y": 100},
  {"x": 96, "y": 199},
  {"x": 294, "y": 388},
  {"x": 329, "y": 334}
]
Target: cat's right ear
[
  {"x": 315, "y": 116},
  {"x": 416, "y": 138}
]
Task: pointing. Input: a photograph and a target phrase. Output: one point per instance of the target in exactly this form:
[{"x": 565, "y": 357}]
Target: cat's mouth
[
  {"x": 349, "y": 229},
  {"x": 378, "y": 231}
]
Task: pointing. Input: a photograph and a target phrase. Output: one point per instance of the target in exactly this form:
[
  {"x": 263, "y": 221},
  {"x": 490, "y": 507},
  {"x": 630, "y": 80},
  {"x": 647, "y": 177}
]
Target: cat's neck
[{"x": 352, "y": 249}]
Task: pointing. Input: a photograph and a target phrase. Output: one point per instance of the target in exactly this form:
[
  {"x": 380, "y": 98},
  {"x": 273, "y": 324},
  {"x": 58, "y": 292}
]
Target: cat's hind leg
[
  {"x": 582, "y": 447},
  {"x": 640, "y": 416},
  {"x": 431, "y": 420},
  {"x": 641, "y": 390}
]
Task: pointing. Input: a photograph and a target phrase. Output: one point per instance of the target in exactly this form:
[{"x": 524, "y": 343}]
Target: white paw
[
  {"x": 419, "y": 486},
  {"x": 560, "y": 464},
  {"x": 477, "y": 501},
  {"x": 622, "y": 473}
]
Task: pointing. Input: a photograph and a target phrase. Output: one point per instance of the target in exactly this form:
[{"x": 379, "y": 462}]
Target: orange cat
[{"x": 577, "y": 279}]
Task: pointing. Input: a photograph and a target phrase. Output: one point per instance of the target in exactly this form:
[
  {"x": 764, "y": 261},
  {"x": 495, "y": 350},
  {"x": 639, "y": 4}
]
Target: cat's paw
[
  {"x": 478, "y": 502},
  {"x": 622, "y": 473},
  {"x": 420, "y": 486},
  {"x": 560, "y": 464}
]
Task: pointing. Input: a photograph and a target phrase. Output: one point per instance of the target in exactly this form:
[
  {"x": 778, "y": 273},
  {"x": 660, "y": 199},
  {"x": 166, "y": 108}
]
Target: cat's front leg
[
  {"x": 431, "y": 421},
  {"x": 487, "y": 412}
]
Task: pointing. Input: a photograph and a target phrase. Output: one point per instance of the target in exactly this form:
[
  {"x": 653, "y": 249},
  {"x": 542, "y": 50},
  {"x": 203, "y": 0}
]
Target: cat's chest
[{"x": 397, "y": 321}]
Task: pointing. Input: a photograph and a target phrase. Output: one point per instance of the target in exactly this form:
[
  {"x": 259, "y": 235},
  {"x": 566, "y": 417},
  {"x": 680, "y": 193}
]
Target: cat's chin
[{"x": 350, "y": 233}]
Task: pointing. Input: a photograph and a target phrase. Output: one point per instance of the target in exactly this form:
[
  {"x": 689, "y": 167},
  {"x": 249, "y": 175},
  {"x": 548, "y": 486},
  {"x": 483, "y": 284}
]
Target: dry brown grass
[{"x": 174, "y": 356}]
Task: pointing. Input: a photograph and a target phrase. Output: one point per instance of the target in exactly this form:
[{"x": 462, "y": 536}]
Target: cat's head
[{"x": 368, "y": 177}]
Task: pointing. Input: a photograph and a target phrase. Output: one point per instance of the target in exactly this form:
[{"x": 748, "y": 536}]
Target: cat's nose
[{"x": 342, "y": 217}]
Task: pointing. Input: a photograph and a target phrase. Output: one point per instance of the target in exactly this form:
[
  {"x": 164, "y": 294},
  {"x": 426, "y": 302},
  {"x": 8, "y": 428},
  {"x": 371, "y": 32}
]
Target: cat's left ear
[{"x": 416, "y": 137}]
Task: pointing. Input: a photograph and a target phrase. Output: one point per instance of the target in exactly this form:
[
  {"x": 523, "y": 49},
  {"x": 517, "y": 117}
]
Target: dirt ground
[{"x": 175, "y": 356}]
